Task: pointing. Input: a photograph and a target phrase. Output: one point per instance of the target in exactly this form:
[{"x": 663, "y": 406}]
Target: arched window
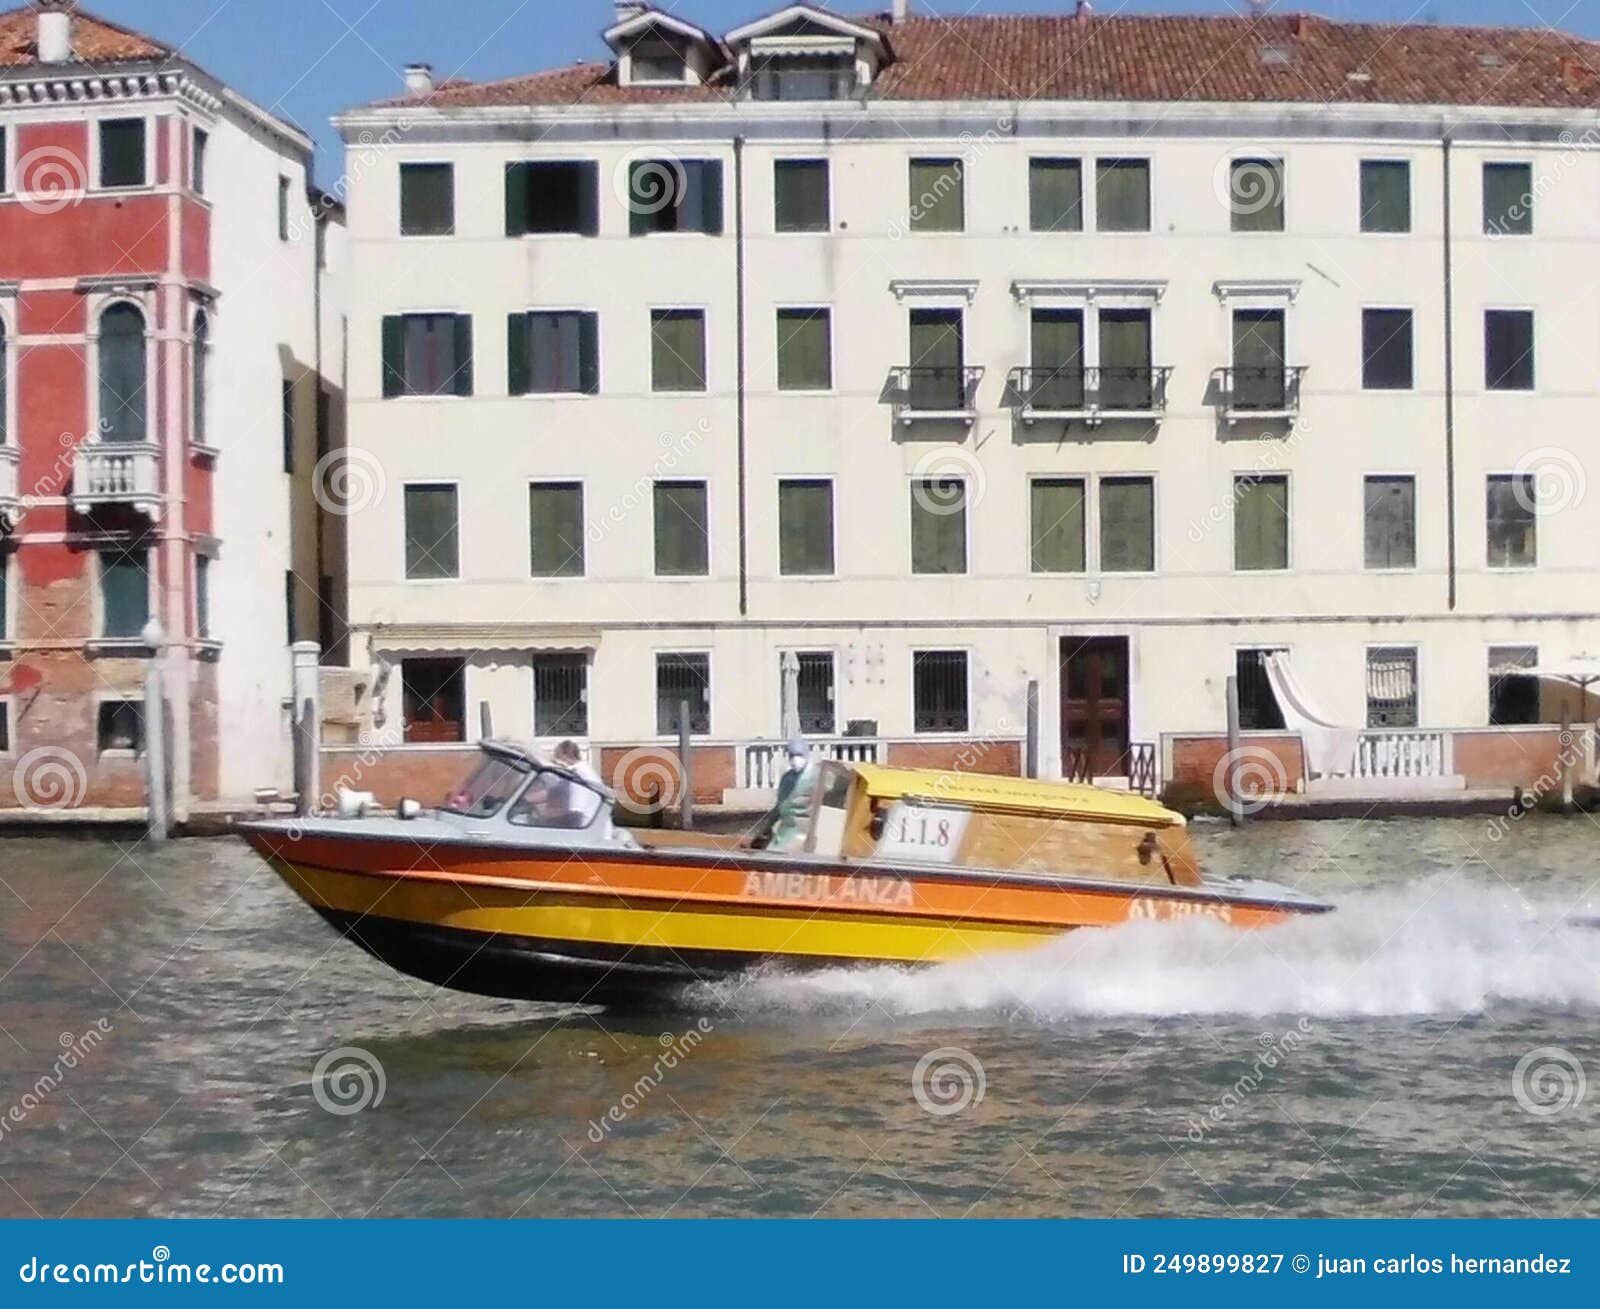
[
  {"x": 202, "y": 359},
  {"x": 122, "y": 374}
]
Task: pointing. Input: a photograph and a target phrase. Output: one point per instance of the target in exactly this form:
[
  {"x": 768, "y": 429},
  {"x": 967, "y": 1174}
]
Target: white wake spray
[{"x": 1445, "y": 947}]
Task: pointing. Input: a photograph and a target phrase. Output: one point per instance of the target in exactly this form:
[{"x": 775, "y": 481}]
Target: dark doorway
[{"x": 1094, "y": 706}]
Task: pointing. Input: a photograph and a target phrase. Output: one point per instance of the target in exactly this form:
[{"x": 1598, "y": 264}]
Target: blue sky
[{"x": 309, "y": 58}]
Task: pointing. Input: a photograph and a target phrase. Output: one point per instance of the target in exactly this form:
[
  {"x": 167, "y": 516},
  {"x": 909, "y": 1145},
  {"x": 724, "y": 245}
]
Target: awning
[
  {"x": 1580, "y": 670},
  {"x": 474, "y": 638}
]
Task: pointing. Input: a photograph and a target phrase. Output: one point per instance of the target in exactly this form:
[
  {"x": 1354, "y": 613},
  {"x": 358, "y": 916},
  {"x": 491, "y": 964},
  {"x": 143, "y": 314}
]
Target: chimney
[
  {"x": 1083, "y": 12},
  {"x": 419, "y": 79},
  {"x": 901, "y": 11},
  {"x": 55, "y": 30}
]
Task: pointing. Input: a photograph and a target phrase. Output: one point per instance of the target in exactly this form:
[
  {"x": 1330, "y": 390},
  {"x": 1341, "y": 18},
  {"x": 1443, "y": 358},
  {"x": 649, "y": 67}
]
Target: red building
[{"x": 160, "y": 400}]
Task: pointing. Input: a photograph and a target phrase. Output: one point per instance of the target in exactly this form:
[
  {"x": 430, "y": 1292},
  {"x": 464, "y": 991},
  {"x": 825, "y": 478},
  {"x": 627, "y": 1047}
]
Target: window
[
  {"x": 1513, "y": 696},
  {"x": 288, "y": 425},
  {"x": 937, "y": 376},
  {"x": 814, "y": 692},
  {"x": 5, "y": 600},
  {"x": 1258, "y": 705},
  {"x": 805, "y": 350},
  {"x": 675, "y": 195},
  {"x": 683, "y": 546},
  {"x": 1127, "y": 525},
  {"x": 555, "y": 529},
  {"x": 1055, "y": 195},
  {"x": 938, "y": 200},
  {"x": 1512, "y": 520},
  {"x": 677, "y": 349},
  {"x": 1386, "y": 350},
  {"x": 122, "y": 153},
  {"x": 124, "y": 593},
  {"x": 1385, "y": 195},
  {"x": 553, "y": 196},
  {"x": 1056, "y": 344},
  {"x": 283, "y": 208},
  {"x": 551, "y": 351},
  {"x": 433, "y": 545},
  {"x": 324, "y": 421},
  {"x": 202, "y": 597},
  {"x": 291, "y": 608},
  {"x": 119, "y": 725},
  {"x": 1122, "y": 195},
  {"x": 200, "y": 142},
  {"x": 805, "y": 528},
  {"x": 433, "y": 701},
  {"x": 198, "y": 379},
  {"x": 1389, "y": 512},
  {"x": 1508, "y": 199},
  {"x": 427, "y": 199},
  {"x": 560, "y": 695},
  {"x": 800, "y": 195},
  {"x": 802, "y": 77},
  {"x": 5, "y": 704},
  {"x": 1255, "y": 195},
  {"x": 680, "y": 678},
  {"x": 427, "y": 354},
  {"x": 1260, "y": 522},
  {"x": 1126, "y": 381},
  {"x": 1392, "y": 686},
  {"x": 939, "y": 691},
  {"x": 1056, "y": 535},
  {"x": 1260, "y": 381},
  {"x": 122, "y": 374},
  {"x": 939, "y": 525},
  {"x": 652, "y": 60},
  {"x": 1508, "y": 349}
]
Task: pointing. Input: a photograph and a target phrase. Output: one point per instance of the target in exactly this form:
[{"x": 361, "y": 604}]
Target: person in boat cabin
[
  {"x": 785, "y": 821},
  {"x": 571, "y": 758}
]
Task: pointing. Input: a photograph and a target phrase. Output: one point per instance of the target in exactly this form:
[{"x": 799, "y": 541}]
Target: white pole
[{"x": 157, "y": 824}]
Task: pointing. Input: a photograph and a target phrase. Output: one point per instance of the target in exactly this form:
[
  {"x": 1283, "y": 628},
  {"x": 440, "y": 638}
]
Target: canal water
[{"x": 179, "y": 1036}]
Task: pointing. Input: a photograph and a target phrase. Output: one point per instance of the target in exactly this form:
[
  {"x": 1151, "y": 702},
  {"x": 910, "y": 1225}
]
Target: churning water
[{"x": 1433, "y": 1047}]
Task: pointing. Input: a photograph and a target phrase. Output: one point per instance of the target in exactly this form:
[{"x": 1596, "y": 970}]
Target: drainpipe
[
  {"x": 738, "y": 278},
  {"x": 1449, "y": 381}
]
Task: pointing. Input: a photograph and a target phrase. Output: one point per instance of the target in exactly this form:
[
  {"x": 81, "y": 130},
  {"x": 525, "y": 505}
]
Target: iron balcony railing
[
  {"x": 1094, "y": 393},
  {"x": 937, "y": 391},
  {"x": 1262, "y": 392}
]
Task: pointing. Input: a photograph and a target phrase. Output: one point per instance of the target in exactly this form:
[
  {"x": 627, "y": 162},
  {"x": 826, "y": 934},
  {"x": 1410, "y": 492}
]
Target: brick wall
[
  {"x": 1001, "y": 758},
  {"x": 1507, "y": 757},
  {"x": 1268, "y": 762}
]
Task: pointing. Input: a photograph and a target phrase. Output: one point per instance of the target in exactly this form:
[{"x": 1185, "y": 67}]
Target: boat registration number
[
  {"x": 1165, "y": 910},
  {"x": 929, "y": 834}
]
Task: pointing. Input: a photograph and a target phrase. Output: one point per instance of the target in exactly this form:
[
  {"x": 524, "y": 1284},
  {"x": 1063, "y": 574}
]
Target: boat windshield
[
  {"x": 555, "y": 800},
  {"x": 487, "y": 787}
]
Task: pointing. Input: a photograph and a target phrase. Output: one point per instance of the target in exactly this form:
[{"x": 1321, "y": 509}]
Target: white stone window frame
[
  {"x": 1414, "y": 474},
  {"x": 461, "y": 534},
  {"x": 703, "y": 308},
  {"x": 812, "y": 307},
  {"x": 1084, "y": 479},
  {"x": 565, "y": 397},
  {"x": 1392, "y": 157},
  {"x": 10, "y": 438},
  {"x": 578, "y": 480},
  {"x": 1513, "y": 475},
  {"x": 968, "y": 504},
  {"x": 1507, "y": 307},
  {"x": 1260, "y": 475},
  {"x": 679, "y": 579},
  {"x": 1389, "y": 306},
  {"x": 1089, "y": 297},
  {"x": 1367, "y": 648},
  {"x": 1485, "y": 163},
  {"x": 777, "y": 542},
  {"x": 1095, "y": 572},
  {"x": 950, "y": 647},
  {"x": 122, "y": 545},
  {"x": 1260, "y": 294},
  {"x": 799, "y": 156},
  {"x": 151, "y": 132},
  {"x": 1091, "y": 193},
  {"x": 656, "y": 654}
]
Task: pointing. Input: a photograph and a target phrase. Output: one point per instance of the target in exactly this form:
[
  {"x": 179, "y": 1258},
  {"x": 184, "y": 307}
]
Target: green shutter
[
  {"x": 1055, "y": 195},
  {"x": 936, "y": 201},
  {"x": 1127, "y": 525},
  {"x": 124, "y": 593},
  {"x": 518, "y": 379},
  {"x": 678, "y": 350},
  {"x": 804, "y": 350},
  {"x": 555, "y": 525},
  {"x": 1122, "y": 195},
  {"x": 462, "y": 376},
  {"x": 1390, "y": 526},
  {"x": 432, "y": 532},
  {"x": 708, "y": 174},
  {"x": 939, "y": 526},
  {"x": 1057, "y": 522},
  {"x": 1260, "y": 522},
  {"x": 589, "y": 353},
  {"x": 682, "y": 546},
  {"x": 394, "y": 355},
  {"x": 588, "y": 198},
  {"x": 517, "y": 216},
  {"x": 805, "y": 528},
  {"x": 1385, "y": 195}
]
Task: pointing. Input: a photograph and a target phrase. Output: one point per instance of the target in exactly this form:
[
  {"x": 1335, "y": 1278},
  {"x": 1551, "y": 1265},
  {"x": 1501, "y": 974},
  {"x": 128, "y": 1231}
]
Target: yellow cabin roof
[{"x": 1016, "y": 794}]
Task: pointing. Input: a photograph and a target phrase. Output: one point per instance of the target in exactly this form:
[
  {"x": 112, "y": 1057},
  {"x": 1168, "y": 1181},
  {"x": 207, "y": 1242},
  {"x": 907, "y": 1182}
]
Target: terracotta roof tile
[
  {"x": 1225, "y": 59},
  {"x": 94, "y": 40}
]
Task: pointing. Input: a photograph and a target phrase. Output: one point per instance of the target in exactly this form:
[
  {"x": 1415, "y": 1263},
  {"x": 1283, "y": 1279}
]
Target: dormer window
[
  {"x": 803, "y": 77},
  {"x": 654, "y": 61}
]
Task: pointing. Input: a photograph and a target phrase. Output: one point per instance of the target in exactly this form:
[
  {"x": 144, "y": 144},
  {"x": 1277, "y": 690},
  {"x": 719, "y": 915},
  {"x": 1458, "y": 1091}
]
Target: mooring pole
[
  {"x": 155, "y": 750},
  {"x": 1031, "y": 761},
  {"x": 305, "y": 724},
  {"x": 686, "y": 767},
  {"x": 1565, "y": 754},
  {"x": 1235, "y": 809}
]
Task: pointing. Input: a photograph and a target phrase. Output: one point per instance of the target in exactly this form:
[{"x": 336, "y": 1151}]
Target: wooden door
[{"x": 1094, "y": 706}]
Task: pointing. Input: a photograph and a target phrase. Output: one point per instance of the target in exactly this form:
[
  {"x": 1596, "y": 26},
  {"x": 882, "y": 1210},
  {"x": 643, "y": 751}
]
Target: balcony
[
  {"x": 1092, "y": 394},
  {"x": 936, "y": 392},
  {"x": 10, "y": 501},
  {"x": 120, "y": 474},
  {"x": 1270, "y": 393}
]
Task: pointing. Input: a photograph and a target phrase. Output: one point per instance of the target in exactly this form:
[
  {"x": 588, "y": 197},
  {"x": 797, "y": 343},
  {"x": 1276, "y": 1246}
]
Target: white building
[{"x": 953, "y": 354}]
